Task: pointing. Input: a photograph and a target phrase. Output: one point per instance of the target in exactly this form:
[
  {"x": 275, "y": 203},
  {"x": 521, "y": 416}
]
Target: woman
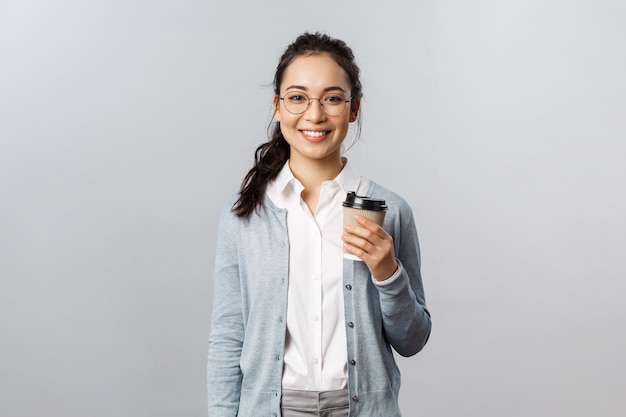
[{"x": 297, "y": 330}]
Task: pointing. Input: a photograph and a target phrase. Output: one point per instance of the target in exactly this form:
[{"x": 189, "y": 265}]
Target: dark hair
[{"x": 270, "y": 157}]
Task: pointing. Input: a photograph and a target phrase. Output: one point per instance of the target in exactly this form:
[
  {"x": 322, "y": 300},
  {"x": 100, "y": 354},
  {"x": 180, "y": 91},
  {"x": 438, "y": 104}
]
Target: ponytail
[{"x": 269, "y": 159}]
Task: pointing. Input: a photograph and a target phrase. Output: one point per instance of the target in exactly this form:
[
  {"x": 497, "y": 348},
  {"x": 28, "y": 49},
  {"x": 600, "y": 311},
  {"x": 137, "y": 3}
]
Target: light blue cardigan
[{"x": 248, "y": 324}]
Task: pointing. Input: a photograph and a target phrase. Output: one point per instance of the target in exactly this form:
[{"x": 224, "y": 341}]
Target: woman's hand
[{"x": 373, "y": 245}]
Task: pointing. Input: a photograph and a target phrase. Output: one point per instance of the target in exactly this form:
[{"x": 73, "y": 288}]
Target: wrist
[{"x": 388, "y": 273}]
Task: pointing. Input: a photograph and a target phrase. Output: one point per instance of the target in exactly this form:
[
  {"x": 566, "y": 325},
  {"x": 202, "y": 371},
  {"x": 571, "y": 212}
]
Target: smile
[{"x": 314, "y": 133}]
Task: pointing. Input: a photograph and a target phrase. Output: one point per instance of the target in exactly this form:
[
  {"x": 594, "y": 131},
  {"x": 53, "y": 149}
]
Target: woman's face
[{"x": 314, "y": 135}]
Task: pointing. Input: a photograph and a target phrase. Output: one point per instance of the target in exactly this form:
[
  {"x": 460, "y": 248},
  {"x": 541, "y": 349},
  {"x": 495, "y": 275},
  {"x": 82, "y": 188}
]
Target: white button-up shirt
[{"x": 315, "y": 355}]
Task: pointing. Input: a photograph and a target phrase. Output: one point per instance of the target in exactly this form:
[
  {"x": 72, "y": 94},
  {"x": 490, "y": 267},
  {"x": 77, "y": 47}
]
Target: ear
[
  {"x": 276, "y": 103},
  {"x": 355, "y": 105}
]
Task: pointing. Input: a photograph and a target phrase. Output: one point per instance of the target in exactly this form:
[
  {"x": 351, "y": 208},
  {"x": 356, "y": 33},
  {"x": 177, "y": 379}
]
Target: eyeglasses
[{"x": 332, "y": 104}]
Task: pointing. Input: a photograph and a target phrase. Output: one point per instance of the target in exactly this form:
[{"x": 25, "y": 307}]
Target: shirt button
[
  {"x": 349, "y": 287},
  {"x": 350, "y": 324},
  {"x": 316, "y": 318},
  {"x": 316, "y": 361},
  {"x": 355, "y": 398},
  {"x": 316, "y": 276}
]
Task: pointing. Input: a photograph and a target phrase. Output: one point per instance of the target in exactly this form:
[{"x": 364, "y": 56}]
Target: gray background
[{"x": 125, "y": 125}]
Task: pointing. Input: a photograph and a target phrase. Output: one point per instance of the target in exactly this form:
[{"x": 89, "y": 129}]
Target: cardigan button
[
  {"x": 355, "y": 398},
  {"x": 350, "y": 324},
  {"x": 352, "y": 362},
  {"x": 349, "y": 287}
]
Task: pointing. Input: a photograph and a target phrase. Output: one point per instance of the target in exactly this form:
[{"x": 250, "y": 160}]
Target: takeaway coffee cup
[{"x": 369, "y": 208}]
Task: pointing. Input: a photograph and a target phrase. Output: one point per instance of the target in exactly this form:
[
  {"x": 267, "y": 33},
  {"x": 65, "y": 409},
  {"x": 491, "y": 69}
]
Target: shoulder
[
  {"x": 395, "y": 202},
  {"x": 227, "y": 214},
  {"x": 399, "y": 219},
  {"x": 264, "y": 214}
]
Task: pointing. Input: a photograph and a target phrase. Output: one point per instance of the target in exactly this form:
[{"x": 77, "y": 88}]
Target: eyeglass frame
[{"x": 319, "y": 99}]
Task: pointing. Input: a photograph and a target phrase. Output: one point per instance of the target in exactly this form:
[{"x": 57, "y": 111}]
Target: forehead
[{"x": 315, "y": 73}]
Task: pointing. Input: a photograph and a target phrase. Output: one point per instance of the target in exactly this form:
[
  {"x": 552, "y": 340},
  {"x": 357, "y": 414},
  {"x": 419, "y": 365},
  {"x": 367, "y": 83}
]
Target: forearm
[
  {"x": 406, "y": 320},
  {"x": 223, "y": 380},
  {"x": 224, "y": 376}
]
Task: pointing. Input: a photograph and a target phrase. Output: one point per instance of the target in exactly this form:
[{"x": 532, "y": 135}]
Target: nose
[{"x": 315, "y": 112}]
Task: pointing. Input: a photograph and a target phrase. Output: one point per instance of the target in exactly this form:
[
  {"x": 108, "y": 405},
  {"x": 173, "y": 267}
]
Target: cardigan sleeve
[
  {"x": 224, "y": 376},
  {"x": 406, "y": 320}
]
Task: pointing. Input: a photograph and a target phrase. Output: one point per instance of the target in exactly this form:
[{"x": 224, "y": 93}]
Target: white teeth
[{"x": 313, "y": 134}]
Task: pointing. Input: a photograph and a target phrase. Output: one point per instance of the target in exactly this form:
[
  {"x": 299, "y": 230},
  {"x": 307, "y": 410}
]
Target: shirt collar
[
  {"x": 347, "y": 179},
  {"x": 284, "y": 179}
]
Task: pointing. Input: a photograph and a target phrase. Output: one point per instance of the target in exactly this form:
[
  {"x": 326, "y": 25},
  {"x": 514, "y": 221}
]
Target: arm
[
  {"x": 395, "y": 266},
  {"x": 406, "y": 319},
  {"x": 224, "y": 375}
]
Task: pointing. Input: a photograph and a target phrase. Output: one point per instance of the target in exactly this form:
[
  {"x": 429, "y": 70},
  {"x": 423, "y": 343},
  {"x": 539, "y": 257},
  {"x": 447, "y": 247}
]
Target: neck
[{"x": 313, "y": 173}]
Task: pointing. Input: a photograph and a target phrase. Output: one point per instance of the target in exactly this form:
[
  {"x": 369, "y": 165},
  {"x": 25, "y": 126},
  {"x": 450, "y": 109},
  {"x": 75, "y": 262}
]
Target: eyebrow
[{"x": 301, "y": 87}]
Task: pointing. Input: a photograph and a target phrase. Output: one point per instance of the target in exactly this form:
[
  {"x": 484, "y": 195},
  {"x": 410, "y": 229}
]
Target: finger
[
  {"x": 358, "y": 231},
  {"x": 358, "y": 242},
  {"x": 371, "y": 232},
  {"x": 355, "y": 250},
  {"x": 370, "y": 225}
]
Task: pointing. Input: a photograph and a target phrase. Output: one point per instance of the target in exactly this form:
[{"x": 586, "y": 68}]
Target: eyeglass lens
[{"x": 332, "y": 104}]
